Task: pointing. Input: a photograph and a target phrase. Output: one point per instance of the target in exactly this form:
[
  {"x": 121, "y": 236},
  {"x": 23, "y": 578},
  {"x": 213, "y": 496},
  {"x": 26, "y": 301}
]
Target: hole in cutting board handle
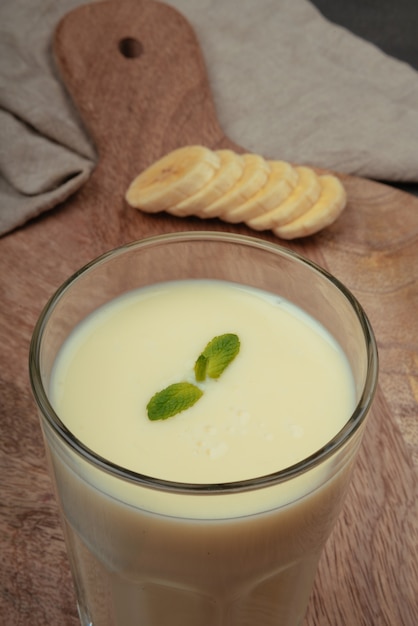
[{"x": 130, "y": 48}]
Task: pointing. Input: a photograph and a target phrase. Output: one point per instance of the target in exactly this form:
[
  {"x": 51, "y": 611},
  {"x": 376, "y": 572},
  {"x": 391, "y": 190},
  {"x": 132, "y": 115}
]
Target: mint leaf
[
  {"x": 216, "y": 357},
  {"x": 172, "y": 400}
]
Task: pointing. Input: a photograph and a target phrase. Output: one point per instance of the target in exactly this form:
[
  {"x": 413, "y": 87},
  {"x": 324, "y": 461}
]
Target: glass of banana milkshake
[{"x": 202, "y": 398}]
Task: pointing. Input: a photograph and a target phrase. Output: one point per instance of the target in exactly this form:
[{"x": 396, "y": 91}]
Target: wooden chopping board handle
[{"x": 135, "y": 72}]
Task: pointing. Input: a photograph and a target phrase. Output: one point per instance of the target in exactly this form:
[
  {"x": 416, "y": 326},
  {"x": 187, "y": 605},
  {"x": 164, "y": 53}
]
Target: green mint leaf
[
  {"x": 217, "y": 355},
  {"x": 172, "y": 400}
]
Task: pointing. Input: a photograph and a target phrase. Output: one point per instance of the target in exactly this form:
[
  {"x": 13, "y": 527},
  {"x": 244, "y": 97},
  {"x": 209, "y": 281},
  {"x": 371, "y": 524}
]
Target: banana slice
[
  {"x": 254, "y": 176},
  {"x": 231, "y": 167},
  {"x": 328, "y": 207},
  {"x": 173, "y": 178},
  {"x": 281, "y": 180},
  {"x": 301, "y": 199}
]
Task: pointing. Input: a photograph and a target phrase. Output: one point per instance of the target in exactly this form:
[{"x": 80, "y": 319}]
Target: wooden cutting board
[{"x": 136, "y": 74}]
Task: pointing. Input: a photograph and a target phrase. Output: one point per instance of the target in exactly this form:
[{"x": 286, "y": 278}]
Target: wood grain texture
[{"x": 137, "y": 109}]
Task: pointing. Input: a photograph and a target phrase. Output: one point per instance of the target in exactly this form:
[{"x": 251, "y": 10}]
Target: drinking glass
[{"x": 150, "y": 552}]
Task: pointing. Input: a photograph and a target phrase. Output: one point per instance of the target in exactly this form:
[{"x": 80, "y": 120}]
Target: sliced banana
[
  {"x": 254, "y": 176},
  {"x": 302, "y": 198},
  {"x": 324, "y": 212},
  {"x": 291, "y": 201},
  {"x": 173, "y": 178},
  {"x": 281, "y": 181},
  {"x": 231, "y": 167}
]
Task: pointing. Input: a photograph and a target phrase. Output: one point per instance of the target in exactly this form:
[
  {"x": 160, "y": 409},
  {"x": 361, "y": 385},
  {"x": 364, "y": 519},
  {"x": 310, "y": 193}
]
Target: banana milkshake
[
  {"x": 288, "y": 391},
  {"x": 201, "y": 416}
]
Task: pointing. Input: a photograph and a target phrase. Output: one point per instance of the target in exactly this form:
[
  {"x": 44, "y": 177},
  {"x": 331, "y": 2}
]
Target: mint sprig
[{"x": 178, "y": 397}]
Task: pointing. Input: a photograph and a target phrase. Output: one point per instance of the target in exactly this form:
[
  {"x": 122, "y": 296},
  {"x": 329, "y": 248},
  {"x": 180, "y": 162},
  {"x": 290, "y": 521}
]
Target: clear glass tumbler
[{"x": 135, "y": 558}]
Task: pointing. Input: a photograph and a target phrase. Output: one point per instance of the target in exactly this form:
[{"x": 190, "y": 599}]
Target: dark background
[{"x": 392, "y": 25}]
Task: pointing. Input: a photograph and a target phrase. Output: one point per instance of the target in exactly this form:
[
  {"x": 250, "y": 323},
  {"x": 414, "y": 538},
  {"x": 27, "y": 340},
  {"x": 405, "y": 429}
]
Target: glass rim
[{"x": 355, "y": 420}]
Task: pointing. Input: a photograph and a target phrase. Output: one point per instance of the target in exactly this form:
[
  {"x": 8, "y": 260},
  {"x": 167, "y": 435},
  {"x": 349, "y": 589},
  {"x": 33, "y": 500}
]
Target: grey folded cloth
[
  {"x": 286, "y": 83},
  {"x": 45, "y": 154}
]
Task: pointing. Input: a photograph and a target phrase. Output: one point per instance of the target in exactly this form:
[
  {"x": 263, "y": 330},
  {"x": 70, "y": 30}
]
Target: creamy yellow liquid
[
  {"x": 286, "y": 394},
  {"x": 149, "y": 558}
]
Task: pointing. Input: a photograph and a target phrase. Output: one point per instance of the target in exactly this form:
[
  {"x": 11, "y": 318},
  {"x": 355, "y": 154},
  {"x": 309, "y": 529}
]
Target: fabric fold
[{"x": 45, "y": 153}]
